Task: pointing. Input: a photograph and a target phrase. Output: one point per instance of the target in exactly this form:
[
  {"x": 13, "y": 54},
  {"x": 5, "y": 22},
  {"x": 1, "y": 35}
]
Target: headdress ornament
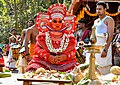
[
  {"x": 43, "y": 20},
  {"x": 57, "y": 10}
]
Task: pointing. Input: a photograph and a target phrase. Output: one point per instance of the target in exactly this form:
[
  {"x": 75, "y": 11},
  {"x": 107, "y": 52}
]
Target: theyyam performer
[{"x": 55, "y": 46}]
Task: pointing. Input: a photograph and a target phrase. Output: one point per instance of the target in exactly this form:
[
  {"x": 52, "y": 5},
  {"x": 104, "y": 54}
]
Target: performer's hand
[
  {"x": 51, "y": 59},
  {"x": 56, "y": 59},
  {"x": 60, "y": 58},
  {"x": 103, "y": 54}
]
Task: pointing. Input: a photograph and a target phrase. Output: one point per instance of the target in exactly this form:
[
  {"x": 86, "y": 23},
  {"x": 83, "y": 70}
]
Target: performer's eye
[
  {"x": 55, "y": 21},
  {"x": 60, "y": 21}
]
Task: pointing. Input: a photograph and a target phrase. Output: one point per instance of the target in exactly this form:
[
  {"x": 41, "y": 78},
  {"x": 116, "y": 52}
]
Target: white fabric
[
  {"x": 10, "y": 51},
  {"x": 10, "y": 64},
  {"x": 57, "y": 15},
  {"x": 22, "y": 61}
]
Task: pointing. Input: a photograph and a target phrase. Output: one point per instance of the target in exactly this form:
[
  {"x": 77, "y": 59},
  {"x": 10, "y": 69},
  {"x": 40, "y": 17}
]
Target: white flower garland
[{"x": 63, "y": 43}]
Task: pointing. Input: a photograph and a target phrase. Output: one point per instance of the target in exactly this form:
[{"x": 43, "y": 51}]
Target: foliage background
[{"x": 16, "y": 13}]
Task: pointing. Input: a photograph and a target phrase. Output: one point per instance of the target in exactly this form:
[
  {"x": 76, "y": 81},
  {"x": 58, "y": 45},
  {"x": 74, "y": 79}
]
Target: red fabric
[
  {"x": 42, "y": 53},
  {"x": 50, "y": 60},
  {"x": 1, "y": 61},
  {"x": 86, "y": 33}
]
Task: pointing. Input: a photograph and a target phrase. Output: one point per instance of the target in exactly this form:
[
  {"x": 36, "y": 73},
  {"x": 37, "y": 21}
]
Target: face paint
[{"x": 57, "y": 24}]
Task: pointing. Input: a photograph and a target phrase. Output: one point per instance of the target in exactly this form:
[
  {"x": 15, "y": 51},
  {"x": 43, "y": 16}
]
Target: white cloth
[
  {"x": 10, "y": 64},
  {"x": 22, "y": 61},
  {"x": 10, "y": 51}
]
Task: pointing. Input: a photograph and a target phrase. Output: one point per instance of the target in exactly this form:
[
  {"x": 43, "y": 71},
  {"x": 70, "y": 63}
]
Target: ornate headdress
[{"x": 56, "y": 11}]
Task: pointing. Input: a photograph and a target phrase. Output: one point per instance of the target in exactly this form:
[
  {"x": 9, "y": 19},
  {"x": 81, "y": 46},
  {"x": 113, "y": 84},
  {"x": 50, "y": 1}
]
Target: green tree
[{"x": 16, "y": 13}]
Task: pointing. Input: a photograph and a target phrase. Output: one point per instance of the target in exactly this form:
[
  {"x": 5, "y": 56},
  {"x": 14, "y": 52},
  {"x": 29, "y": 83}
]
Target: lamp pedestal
[{"x": 92, "y": 49}]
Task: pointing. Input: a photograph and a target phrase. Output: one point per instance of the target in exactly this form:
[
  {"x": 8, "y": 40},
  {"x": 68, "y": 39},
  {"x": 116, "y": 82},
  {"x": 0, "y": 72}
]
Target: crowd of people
[{"x": 51, "y": 42}]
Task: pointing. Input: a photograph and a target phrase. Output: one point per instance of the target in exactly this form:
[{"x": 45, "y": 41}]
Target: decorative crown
[
  {"x": 57, "y": 10},
  {"x": 43, "y": 20}
]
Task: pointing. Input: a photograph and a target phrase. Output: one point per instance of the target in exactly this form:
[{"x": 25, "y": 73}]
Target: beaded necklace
[{"x": 63, "y": 43}]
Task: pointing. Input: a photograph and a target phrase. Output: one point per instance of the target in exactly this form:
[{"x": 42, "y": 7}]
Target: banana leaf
[{"x": 2, "y": 75}]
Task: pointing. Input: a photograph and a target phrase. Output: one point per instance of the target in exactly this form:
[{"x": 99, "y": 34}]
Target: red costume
[{"x": 55, "y": 47}]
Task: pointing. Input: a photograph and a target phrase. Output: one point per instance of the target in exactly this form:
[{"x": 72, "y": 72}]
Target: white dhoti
[
  {"x": 101, "y": 33},
  {"x": 11, "y": 62},
  {"x": 106, "y": 62}
]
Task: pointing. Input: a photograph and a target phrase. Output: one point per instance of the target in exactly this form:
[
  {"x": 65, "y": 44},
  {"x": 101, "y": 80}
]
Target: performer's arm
[{"x": 42, "y": 53}]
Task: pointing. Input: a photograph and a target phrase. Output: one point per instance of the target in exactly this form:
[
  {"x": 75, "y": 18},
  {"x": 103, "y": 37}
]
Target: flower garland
[
  {"x": 81, "y": 14},
  {"x": 63, "y": 43},
  {"x": 90, "y": 14}
]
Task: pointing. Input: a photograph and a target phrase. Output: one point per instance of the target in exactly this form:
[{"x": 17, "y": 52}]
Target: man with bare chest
[
  {"x": 30, "y": 23},
  {"x": 14, "y": 38},
  {"x": 30, "y": 36}
]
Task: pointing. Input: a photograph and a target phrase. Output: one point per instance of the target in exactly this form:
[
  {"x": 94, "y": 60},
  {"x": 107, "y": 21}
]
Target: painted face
[
  {"x": 100, "y": 10},
  {"x": 57, "y": 24}
]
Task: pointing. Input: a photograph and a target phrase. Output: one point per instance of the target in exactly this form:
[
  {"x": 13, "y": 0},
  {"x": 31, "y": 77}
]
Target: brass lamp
[{"x": 92, "y": 49}]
